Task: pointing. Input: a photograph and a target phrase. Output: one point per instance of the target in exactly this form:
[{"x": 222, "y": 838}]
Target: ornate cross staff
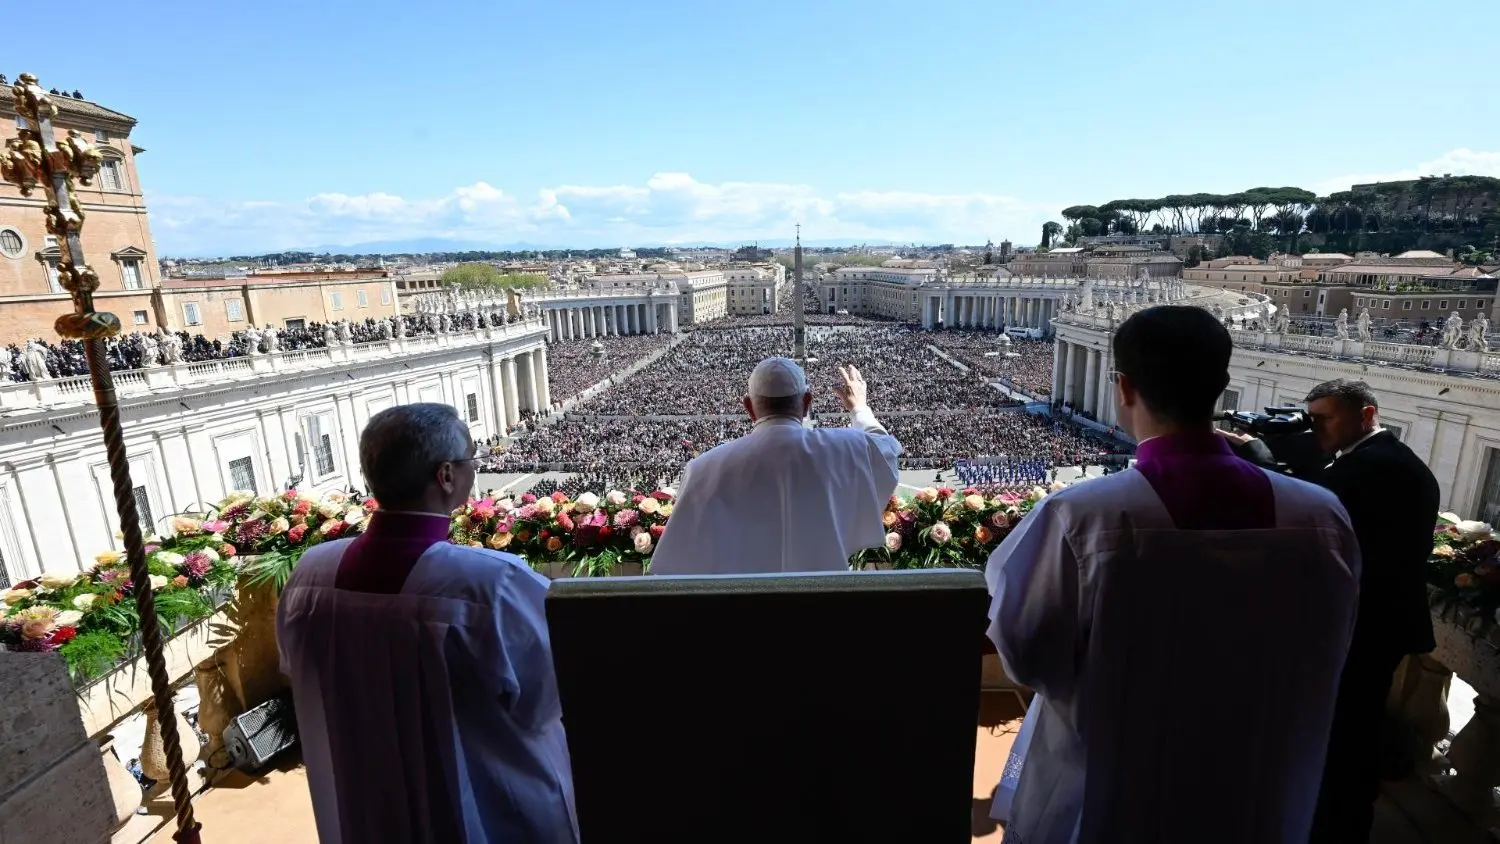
[{"x": 35, "y": 157}]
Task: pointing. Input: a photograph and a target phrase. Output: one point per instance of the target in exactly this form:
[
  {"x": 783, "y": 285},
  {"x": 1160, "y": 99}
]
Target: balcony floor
[{"x": 276, "y": 806}]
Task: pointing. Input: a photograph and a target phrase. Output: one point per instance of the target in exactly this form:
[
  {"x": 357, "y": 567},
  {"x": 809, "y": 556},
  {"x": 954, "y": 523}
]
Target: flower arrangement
[
  {"x": 939, "y": 527},
  {"x": 89, "y": 616},
  {"x": 273, "y": 532},
  {"x": 1464, "y": 567},
  {"x": 588, "y": 535}
]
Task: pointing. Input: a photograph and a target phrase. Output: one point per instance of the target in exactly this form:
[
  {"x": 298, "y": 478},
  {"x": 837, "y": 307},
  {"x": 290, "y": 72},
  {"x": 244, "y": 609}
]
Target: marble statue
[
  {"x": 252, "y": 340},
  {"x": 1479, "y": 329},
  {"x": 273, "y": 340},
  {"x": 1111, "y": 311},
  {"x": 1341, "y": 325},
  {"x": 1453, "y": 330},
  {"x": 330, "y": 337},
  {"x": 398, "y": 327},
  {"x": 1362, "y": 327},
  {"x": 1088, "y": 296},
  {"x": 385, "y": 329},
  {"x": 1283, "y": 322},
  {"x": 442, "y": 323},
  {"x": 346, "y": 334},
  {"x": 34, "y": 361},
  {"x": 171, "y": 348},
  {"x": 149, "y": 351}
]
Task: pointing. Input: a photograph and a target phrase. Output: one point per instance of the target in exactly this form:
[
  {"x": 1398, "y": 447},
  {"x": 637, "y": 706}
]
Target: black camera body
[{"x": 1275, "y": 422}]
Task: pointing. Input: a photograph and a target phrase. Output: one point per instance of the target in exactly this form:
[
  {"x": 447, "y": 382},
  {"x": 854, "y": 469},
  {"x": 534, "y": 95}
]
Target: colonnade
[
  {"x": 583, "y": 321},
  {"x": 988, "y": 310},
  {"x": 1080, "y": 378},
  {"x": 519, "y": 382}
]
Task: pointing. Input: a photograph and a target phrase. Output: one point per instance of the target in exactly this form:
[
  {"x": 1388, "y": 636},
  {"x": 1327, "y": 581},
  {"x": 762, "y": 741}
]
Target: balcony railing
[{"x": 79, "y": 389}]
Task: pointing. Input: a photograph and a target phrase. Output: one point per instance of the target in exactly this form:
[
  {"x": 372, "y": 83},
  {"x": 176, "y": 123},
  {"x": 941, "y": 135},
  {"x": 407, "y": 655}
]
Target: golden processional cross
[{"x": 36, "y": 158}]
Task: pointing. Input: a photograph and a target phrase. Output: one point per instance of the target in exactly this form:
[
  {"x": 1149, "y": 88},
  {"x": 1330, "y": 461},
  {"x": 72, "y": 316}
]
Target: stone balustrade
[
  {"x": 1399, "y": 354},
  {"x": 132, "y": 382}
]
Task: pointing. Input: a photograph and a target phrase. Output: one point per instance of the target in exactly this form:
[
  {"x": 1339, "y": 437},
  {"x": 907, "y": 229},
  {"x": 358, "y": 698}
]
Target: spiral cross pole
[{"x": 36, "y": 158}]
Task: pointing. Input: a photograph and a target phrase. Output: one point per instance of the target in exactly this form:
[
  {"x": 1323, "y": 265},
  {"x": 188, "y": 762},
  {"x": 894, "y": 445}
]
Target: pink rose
[
  {"x": 893, "y": 542},
  {"x": 215, "y": 526},
  {"x": 940, "y": 533},
  {"x": 565, "y": 522},
  {"x": 559, "y": 498},
  {"x": 626, "y": 518},
  {"x": 528, "y": 498},
  {"x": 998, "y": 520},
  {"x": 296, "y": 533}
]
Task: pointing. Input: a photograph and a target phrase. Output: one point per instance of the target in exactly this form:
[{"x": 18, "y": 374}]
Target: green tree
[
  {"x": 489, "y": 277},
  {"x": 1050, "y": 229}
]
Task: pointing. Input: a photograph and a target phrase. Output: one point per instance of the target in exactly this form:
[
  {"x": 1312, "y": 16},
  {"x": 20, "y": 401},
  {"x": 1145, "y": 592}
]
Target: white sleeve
[
  {"x": 885, "y": 451},
  {"x": 516, "y": 653},
  {"x": 1034, "y": 616}
]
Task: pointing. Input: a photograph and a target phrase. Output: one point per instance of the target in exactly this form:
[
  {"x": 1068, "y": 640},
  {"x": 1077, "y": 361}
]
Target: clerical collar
[
  {"x": 1201, "y": 443},
  {"x": 779, "y": 419},
  {"x": 430, "y": 526},
  {"x": 1357, "y": 443}
]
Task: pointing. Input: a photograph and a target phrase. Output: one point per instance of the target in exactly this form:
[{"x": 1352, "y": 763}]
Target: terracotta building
[{"x": 117, "y": 237}]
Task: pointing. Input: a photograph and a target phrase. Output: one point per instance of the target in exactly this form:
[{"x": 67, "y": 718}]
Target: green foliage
[
  {"x": 489, "y": 277},
  {"x": 176, "y": 607},
  {"x": 271, "y": 567},
  {"x": 91, "y": 654}
]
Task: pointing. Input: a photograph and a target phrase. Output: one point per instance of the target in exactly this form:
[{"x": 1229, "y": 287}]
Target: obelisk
[{"x": 799, "y": 305}]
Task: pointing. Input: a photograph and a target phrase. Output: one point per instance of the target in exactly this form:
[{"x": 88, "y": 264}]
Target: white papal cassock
[
  {"x": 1185, "y": 678},
  {"x": 430, "y": 714},
  {"x": 784, "y": 497}
]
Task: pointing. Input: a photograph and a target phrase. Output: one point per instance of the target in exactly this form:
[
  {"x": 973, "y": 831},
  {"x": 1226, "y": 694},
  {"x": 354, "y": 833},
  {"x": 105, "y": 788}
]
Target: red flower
[
  {"x": 971, "y": 490},
  {"x": 638, "y": 499},
  {"x": 63, "y": 634},
  {"x": 333, "y": 532},
  {"x": 661, "y": 495},
  {"x": 290, "y": 495},
  {"x": 657, "y": 531},
  {"x": 559, "y": 497},
  {"x": 945, "y": 491},
  {"x": 565, "y": 522},
  {"x": 296, "y": 533},
  {"x": 302, "y": 507},
  {"x": 371, "y": 504},
  {"x": 606, "y": 532},
  {"x": 544, "y": 534}
]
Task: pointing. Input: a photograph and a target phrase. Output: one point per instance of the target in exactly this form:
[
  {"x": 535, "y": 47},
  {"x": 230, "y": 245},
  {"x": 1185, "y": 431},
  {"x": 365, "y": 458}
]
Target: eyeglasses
[{"x": 474, "y": 454}]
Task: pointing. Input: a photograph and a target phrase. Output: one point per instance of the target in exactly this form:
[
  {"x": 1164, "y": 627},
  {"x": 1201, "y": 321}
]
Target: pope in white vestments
[
  {"x": 1184, "y": 624},
  {"x": 421, "y": 671},
  {"x": 785, "y": 497}
]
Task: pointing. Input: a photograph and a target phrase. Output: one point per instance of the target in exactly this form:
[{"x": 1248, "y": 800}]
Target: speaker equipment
[
  {"x": 256, "y": 737},
  {"x": 771, "y": 708}
]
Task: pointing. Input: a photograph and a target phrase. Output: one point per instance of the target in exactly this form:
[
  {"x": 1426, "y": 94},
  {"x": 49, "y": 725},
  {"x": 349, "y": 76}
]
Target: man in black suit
[{"x": 1392, "y": 500}]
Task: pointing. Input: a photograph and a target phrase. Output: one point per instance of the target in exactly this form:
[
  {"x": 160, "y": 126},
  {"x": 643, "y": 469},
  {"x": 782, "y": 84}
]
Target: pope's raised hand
[{"x": 853, "y": 392}]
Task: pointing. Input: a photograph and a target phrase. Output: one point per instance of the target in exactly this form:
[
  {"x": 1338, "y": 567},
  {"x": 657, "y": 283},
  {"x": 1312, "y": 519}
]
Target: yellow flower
[
  {"x": 650, "y": 506},
  {"x": 15, "y": 596},
  {"x": 108, "y": 558},
  {"x": 1444, "y": 551},
  {"x": 499, "y": 541},
  {"x": 554, "y": 543},
  {"x": 974, "y": 502}
]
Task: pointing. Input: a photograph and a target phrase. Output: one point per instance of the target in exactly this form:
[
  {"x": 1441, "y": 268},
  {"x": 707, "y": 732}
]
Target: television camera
[{"x": 1286, "y": 432}]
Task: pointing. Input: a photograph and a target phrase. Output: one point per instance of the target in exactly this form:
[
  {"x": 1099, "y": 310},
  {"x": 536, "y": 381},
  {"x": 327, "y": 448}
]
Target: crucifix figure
[{"x": 35, "y": 158}]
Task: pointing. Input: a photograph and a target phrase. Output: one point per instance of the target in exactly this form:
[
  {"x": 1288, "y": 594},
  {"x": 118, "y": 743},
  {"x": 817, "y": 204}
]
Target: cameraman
[{"x": 1392, "y": 499}]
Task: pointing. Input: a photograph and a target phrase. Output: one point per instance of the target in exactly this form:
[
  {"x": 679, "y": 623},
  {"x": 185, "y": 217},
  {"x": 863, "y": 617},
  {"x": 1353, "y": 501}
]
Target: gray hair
[
  {"x": 403, "y": 445},
  {"x": 1355, "y": 395},
  {"x": 778, "y": 405}
]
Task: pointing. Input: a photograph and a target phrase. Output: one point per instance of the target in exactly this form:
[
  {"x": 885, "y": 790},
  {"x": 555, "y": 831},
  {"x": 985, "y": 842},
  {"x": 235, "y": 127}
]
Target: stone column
[
  {"x": 1057, "y": 371},
  {"x": 672, "y": 314},
  {"x": 1070, "y": 365},
  {"x": 508, "y": 377},
  {"x": 599, "y": 321},
  {"x": 533, "y": 392},
  {"x": 927, "y": 312},
  {"x": 1090, "y": 381},
  {"x": 539, "y": 377},
  {"x": 651, "y": 316}
]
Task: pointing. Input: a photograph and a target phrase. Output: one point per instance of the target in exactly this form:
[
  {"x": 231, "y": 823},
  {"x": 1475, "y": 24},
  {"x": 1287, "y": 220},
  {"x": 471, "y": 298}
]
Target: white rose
[
  {"x": 58, "y": 579},
  {"x": 546, "y": 506},
  {"x": 505, "y": 504},
  {"x": 893, "y": 542},
  {"x": 940, "y": 533},
  {"x": 650, "y": 506},
  {"x": 585, "y": 503},
  {"x": 279, "y": 526},
  {"x": 927, "y": 494},
  {"x": 337, "y": 497},
  {"x": 68, "y": 618},
  {"x": 669, "y": 491},
  {"x": 84, "y": 601},
  {"x": 1469, "y": 527},
  {"x": 210, "y": 553},
  {"x": 329, "y": 510},
  {"x": 171, "y": 558},
  {"x": 615, "y": 498},
  {"x": 974, "y": 502},
  {"x": 15, "y": 596},
  {"x": 1037, "y": 493},
  {"x": 158, "y": 581},
  {"x": 354, "y": 516},
  {"x": 643, "y": 543}
]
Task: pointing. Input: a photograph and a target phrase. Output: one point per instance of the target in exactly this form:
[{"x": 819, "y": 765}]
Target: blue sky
[{"x": 291, "y": 124}]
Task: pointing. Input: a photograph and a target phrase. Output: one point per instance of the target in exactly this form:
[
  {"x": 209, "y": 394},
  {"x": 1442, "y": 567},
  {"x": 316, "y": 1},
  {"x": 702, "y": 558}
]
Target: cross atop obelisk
[{"x": 799, "y": 305}]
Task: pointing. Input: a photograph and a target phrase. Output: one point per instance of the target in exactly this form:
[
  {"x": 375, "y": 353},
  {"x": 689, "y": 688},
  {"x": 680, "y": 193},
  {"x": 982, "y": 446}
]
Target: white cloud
[
  {"x": 1457, "y": 162},
  {"x": 669, "y": 208}
]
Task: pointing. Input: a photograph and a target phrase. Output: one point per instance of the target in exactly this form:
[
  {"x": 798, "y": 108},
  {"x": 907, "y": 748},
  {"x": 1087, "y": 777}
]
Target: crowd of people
[
  {"x": 65, "y": 358},
  {"x": 576, "y": 365},
  {"x": 655, "y": 448},
  {"x": 705, "y": 373},
  {"x": 1026, "y": 365},
  {"x": 939, "y": 441}
]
